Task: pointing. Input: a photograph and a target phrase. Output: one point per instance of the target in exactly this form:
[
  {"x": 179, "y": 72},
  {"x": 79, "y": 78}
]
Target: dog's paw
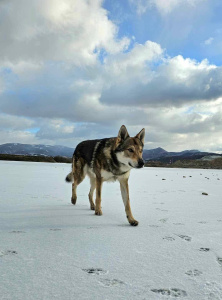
[
  {"x": 134, "y": 223},
  {"x": 92, "y": 206},
  {"x": 98, "y": 212},
  {"x": 73, "y": 200}
]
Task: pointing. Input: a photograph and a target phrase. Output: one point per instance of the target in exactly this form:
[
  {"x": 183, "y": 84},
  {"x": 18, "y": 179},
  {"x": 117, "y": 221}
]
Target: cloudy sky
[{"x": 72, "y": 70}]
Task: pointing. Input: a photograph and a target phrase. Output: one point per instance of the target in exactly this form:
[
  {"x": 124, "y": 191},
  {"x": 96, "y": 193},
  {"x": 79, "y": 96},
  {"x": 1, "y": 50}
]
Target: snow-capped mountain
[{"x": 27, "y": 149}]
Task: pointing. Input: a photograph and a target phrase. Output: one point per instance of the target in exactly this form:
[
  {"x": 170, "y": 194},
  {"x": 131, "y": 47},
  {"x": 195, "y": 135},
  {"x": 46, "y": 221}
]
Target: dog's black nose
[{"x": 140, "y": 163}]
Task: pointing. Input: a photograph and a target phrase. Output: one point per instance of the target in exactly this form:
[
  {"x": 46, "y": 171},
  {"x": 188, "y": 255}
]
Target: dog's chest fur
[{"x": 109, "y": 176}]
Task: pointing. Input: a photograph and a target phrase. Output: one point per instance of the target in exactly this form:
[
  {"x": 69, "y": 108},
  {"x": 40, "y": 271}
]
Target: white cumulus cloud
[{"x": 69, "y": 30}]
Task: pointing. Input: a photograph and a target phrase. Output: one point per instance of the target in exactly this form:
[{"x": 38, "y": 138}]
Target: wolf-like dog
[{"x": 107, "y": 159}]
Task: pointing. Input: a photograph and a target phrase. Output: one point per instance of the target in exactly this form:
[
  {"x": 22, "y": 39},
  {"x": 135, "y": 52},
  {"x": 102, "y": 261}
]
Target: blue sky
[
  {"x": 184, "y": 30},
  {"x": 72, "y": 70}
]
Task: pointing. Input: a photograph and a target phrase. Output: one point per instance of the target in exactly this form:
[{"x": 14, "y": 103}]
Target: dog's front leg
[
  {"x": 98, "y": 210},
  {"x": 125, "y": 195}
]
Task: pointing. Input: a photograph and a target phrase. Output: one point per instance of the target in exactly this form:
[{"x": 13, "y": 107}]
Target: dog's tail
[{"x": 69, "y": 177}]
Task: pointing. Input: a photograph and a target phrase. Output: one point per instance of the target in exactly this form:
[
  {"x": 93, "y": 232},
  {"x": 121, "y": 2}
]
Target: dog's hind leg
[
  {"x": 79, "y": 174},
  {"x": 92, "y": 189},
  {"x": 74, "y": 196},
  {"x": 125, "y": 195}
]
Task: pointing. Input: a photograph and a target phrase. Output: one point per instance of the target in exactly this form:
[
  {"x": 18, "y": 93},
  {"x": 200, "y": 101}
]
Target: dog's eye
[{"x": 130, "y": 150}]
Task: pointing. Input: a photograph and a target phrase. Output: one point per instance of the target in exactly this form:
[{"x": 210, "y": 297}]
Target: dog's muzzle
[{"x": 140, "y": 163}]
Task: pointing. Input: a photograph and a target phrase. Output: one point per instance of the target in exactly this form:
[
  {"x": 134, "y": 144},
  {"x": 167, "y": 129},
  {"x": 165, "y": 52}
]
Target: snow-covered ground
[{"x": 50, "y": 249}]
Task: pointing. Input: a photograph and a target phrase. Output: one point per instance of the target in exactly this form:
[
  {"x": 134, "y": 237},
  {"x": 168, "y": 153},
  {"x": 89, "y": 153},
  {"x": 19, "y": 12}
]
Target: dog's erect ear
[
  {"x": 123, "y": 133},
  {"x": 141, "y": 135}
]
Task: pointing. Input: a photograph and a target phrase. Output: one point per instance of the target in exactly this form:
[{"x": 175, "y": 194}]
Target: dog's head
[{"x": 129, "y": 150}]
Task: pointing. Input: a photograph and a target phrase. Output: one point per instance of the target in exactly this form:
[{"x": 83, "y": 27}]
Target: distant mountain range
[
  {"x": 27, "y": 149},
  {"x": 162, "y": 155},
  {"x": 154, "y": 154}
]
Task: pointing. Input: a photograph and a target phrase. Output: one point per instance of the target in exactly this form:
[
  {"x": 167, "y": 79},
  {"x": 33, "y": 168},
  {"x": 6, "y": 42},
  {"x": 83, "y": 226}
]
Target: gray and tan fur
[{"x": 107, "y": 159}]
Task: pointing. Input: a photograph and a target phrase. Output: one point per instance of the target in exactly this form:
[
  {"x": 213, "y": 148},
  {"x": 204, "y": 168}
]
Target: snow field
[{"x": 50, "y": 249}]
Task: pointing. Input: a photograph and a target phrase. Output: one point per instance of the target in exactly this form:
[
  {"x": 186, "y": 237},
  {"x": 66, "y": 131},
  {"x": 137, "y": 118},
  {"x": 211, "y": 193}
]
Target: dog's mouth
[{"x": 137, "y": 167}]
